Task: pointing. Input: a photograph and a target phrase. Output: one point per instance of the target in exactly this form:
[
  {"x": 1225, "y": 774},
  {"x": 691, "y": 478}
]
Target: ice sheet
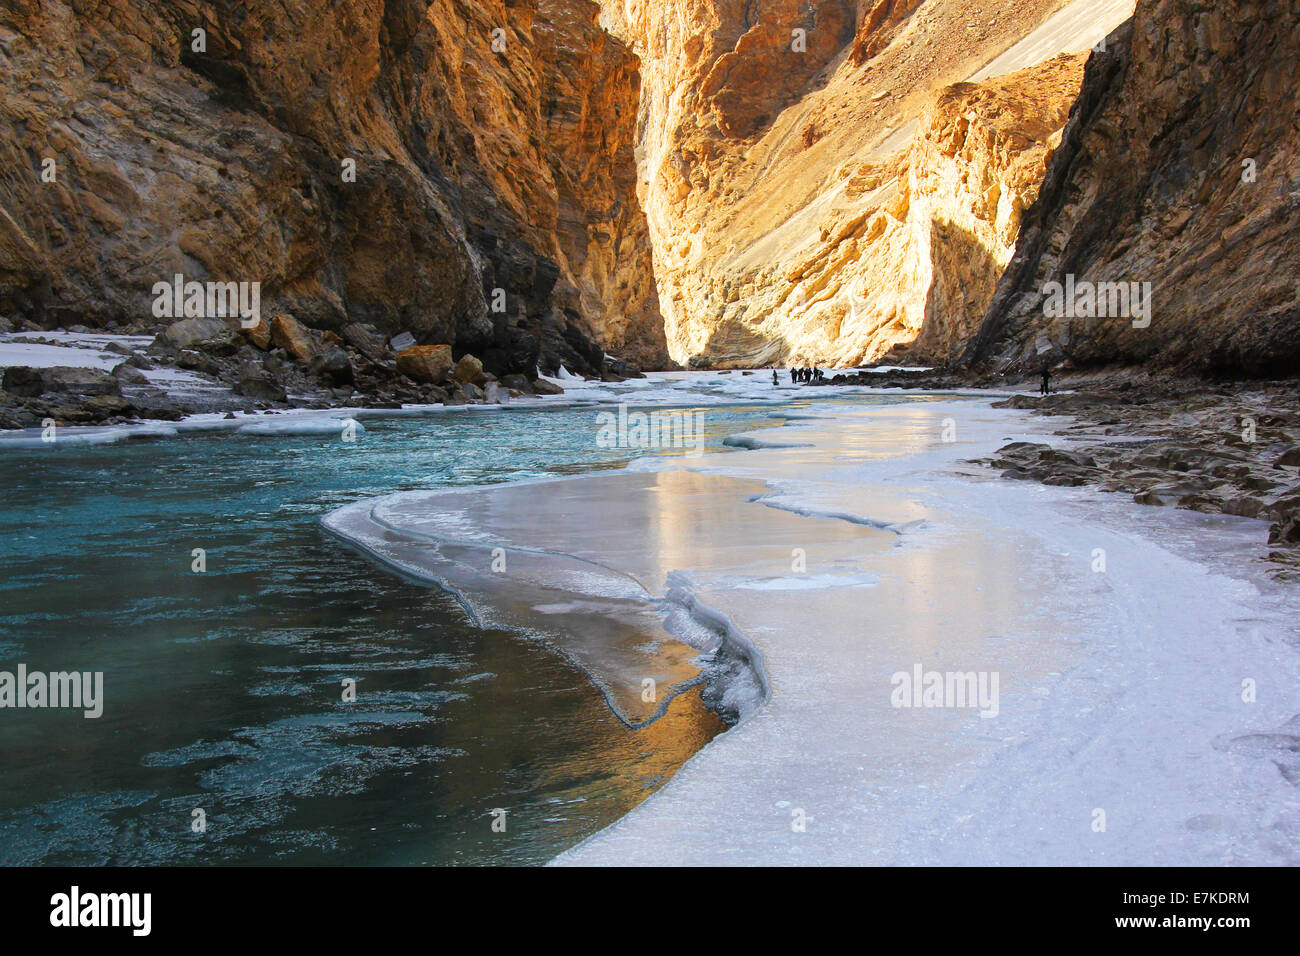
[{"x": 1120, "y": 690}]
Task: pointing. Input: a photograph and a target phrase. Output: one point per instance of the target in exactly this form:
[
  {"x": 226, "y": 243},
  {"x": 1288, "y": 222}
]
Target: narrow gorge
[{"x": 710, "y": 183}]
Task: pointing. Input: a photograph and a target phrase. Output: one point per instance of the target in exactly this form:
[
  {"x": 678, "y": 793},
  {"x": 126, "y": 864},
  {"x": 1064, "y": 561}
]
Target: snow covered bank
[
  {"x": 93, "y": 350},
  {"x": 1145, "y": 670}
]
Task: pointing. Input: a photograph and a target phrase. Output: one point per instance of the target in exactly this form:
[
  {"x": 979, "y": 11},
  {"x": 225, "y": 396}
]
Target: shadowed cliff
[
  {"x": 1178, "y": 168},
  {"x": 392, "y": 162}
]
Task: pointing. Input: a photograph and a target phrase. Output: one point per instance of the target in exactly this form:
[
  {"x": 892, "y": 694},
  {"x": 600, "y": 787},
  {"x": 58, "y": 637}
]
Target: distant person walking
[
  {"x": 1047, "y": 380},
  {"x": 775, "y": 380}
]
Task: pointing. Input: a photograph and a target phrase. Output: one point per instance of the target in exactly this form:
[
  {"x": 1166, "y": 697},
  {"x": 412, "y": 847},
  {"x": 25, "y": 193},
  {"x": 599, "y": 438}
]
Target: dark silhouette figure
[
  {"x": 775, "y": 380},
  {"x": 1047, "y": 378}
]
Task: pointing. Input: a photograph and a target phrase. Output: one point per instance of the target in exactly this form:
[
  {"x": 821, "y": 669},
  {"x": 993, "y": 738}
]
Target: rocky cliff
[
  {"x": 391, "y": 162},
  {"x": 1179, "y": 169},
  {"x": 821, "y": 181}
]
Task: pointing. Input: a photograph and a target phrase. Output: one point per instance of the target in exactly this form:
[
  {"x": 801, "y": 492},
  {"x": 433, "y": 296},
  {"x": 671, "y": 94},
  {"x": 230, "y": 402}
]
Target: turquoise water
[{"x": 223, "y": 688}]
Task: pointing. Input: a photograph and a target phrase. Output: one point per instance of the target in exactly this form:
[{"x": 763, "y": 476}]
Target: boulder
[
  {"x": 425, "y": 363},
  {"x": 260, "y": 334},
  {"x": 1020, "y": 401},
  {"x": 108, "y": 406},
  {"x": 1167, "y": 494},
  {"x": 400, "y": 343},
  {"x": 79, "y": 381},
  {"x": 366, "y": 339},
  {"x": 494, "y": 394},
  {"x": 627, "y": 370},
  {"x": 128, "y": 374},
  {"x": 1286, "y": 512},
  {"x": 196, "y": 362},
  {"x": 1285, "y": 531},
  {"x": 469, "y": 370},
  {"x": 518, "y": 383},
  {"x": 472, "y": 392},
  {"x": 1289, "y": 459},
  {"x": 1244, "y": 506},
  {"x": 295, "y": 338},
  {"x": 256, "y": 382},
  {"x": 217, "y": 336},
  {"x": 333, "y": 367},
  {"x": 543, "y": 387},
  {"x": 23, "y": 381}
]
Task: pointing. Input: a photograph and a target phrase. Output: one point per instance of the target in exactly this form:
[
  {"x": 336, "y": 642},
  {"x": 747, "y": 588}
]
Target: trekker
[{"x": 1047, "y": 376}]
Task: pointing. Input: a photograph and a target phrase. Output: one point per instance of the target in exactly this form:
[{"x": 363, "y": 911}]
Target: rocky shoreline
[
  {"x": 274, "y": 365},
  {"x": 1229, "y": 449}
]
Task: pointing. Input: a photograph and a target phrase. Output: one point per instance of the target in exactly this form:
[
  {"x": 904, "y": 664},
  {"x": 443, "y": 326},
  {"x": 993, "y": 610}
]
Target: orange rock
[
  {"x": 260, "y": 334},
  {"x": 425, "y": 363},
  {"x": 469, "y": 370},
  {"x": 295, "y": 338}
]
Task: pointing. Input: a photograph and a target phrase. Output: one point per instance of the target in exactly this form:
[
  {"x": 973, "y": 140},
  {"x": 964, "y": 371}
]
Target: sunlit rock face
[
  {"x": 477, "y": 168},
  {"x": 816, "y": 188},
  {"x": 1180, "y": 168}
]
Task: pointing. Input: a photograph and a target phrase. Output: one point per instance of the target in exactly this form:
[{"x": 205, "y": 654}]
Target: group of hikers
[{"x": 815, "y": 375}]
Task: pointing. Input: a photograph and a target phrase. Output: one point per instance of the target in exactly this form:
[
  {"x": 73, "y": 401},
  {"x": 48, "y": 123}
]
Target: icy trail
[{"x": 1120, "y": 690}]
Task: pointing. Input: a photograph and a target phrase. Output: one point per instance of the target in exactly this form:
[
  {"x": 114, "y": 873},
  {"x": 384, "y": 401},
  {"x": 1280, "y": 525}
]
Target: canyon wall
[
  {"x": 1180, "y": 167},
  {"x": 392, "y": 162},
  {"x": 726, "y": 182},
  {"x": 822, "y": 183}
]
